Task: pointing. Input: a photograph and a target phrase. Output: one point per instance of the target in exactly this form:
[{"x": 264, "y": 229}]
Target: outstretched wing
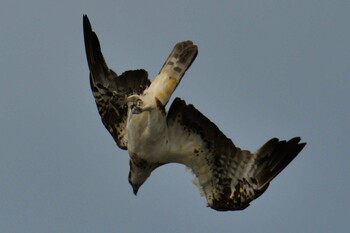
[
  {"x": 174, "y": 68},
  {"x": 109, "y": 89},
  {"x": 230, "y": 178}
]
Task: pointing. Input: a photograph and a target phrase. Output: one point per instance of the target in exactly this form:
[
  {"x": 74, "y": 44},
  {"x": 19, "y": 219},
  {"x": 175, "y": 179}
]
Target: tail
[
  {"x": 180, "y": 59},
  {"x": 174, "y": 68}
]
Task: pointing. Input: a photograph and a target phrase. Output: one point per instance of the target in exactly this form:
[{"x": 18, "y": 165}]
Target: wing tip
[
  {"x": 276, "y": 156},
  {"x": 94, "y": 56},
  {"x": 86, "y": 24},
  {"x": 296, "y": 146}
]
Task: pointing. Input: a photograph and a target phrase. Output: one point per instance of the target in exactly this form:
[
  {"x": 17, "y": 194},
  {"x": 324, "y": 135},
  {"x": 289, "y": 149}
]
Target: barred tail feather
[{"x": 179, "y": 60}]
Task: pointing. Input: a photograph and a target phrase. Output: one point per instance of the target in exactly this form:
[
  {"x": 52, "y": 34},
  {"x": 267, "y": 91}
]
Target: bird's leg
[{"x": 136, "y": 104}]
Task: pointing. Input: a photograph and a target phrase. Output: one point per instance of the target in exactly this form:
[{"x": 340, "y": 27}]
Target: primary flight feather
[{"x": 133, "y": 110}]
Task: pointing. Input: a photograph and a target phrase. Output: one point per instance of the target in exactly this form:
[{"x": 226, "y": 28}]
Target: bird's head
[{"x": 138, "y": 175}]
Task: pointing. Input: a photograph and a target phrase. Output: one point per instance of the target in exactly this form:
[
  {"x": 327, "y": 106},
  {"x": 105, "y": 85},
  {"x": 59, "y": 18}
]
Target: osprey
[{"x": 133, "y": 110}]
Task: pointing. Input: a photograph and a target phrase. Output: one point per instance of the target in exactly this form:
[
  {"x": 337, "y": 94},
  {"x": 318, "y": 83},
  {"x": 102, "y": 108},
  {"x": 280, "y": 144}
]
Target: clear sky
[{"x": 264, "y": 69}]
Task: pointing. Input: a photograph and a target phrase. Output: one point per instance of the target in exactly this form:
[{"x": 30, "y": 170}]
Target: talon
[
  {"x": 135, "y": 104},
  {"x": 139, "y": 103},
  {"x": 135, "y": 109}
]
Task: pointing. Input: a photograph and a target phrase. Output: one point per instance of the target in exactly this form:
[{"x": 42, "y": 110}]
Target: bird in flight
[{"x": 132, "y": 109}]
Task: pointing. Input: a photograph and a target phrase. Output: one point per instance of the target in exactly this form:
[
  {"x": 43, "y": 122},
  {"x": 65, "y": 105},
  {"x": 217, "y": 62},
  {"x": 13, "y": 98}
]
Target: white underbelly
[{"x": 148, "y": 142}]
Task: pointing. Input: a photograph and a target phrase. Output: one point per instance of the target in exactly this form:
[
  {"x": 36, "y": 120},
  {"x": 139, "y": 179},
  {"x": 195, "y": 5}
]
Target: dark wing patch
[
  {"x": 229, "y": 177},
  {"x": 109, "y": 89}
]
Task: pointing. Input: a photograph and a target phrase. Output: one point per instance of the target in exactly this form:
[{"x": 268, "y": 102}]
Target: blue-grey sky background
[{"x": 264, "y": 69}]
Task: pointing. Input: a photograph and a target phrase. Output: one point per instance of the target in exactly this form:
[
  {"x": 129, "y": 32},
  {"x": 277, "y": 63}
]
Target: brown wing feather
[
  {"x": 229, "y": 177},
  {"x": 273, "y": 157},
  {"x": 109, "y": 89}
]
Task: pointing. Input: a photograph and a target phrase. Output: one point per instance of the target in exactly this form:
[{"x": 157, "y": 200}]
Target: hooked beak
[{"x": 135, "y": 190}]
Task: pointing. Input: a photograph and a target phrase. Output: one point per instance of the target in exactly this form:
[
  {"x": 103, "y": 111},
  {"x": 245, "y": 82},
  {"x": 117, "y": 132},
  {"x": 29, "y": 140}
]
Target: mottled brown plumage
[
  {"x": 133, "y": 111},
  {"x": 109, "y": 89}
]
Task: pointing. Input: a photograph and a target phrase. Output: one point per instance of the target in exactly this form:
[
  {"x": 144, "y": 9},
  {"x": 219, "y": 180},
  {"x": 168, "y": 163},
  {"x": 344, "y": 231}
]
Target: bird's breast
[{"x": 147, "y": 139}]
